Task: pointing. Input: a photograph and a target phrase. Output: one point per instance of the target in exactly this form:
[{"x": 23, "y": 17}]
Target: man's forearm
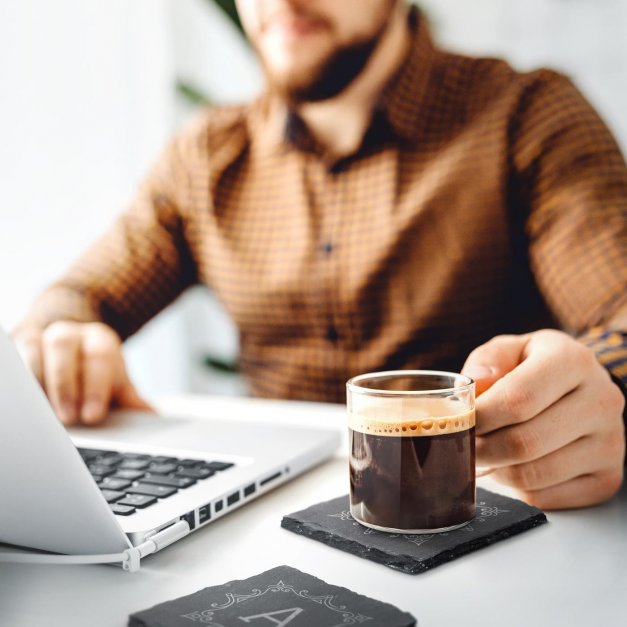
[{"x": 59, "y": 302}]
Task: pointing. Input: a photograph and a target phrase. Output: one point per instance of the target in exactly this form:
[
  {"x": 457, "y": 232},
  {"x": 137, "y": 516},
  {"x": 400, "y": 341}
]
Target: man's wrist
[{"x": 610, "y": 348}]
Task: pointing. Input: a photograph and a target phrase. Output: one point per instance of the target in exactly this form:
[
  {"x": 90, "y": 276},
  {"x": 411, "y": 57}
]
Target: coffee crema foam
[{"x": 411, "y": 418}]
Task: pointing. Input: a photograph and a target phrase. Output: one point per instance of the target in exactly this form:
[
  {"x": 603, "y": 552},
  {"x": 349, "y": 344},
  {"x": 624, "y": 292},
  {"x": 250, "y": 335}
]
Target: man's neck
[{"x": 339, "y": 124}]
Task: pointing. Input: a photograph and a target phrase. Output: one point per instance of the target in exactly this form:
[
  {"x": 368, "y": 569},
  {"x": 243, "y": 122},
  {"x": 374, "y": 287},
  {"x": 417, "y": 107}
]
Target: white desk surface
[{"x": 571, "y": 572}]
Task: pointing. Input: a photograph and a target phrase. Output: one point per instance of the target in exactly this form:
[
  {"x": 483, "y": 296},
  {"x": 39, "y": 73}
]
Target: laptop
[{"x": 140, "y": 481}]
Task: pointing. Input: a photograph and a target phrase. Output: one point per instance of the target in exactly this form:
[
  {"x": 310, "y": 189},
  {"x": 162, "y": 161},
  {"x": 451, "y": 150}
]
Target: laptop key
[
  {"x": 137, "y": 500},
  {"x": 112, "y": 495},
  {"x": 131, "y": 475},
  {"x": 160, "y": 459},
  {"x": 122, "y": 510},
  {"x": 134, "y": 464},
  {"x": 100, "y": 470},
  {"x": 160, "y": 491},
  {"x": 115, "y": 483},
  {"x": 173, "y": 482},
  {"x": 194, "y": 473},
  {"x": 88, "y": 454},
  {"x": 110, "y": 460},
  {"x": 217, "y": 465},
  {"x": 139, "y": 456},
  {"x": 161, "y": 469},
  {"x": 97, "y": 451},
  {"x": 189, "y": 463}
]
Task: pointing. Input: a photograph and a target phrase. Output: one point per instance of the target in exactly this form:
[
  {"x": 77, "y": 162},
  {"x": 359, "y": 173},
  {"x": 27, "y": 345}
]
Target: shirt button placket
[{"x": 332, "y": 334}]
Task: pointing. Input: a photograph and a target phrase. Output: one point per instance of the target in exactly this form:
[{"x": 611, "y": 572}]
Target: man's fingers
[
  {"x": 81, "y": 368},
  {"x": 582, "y": 491},
  {"x": 540, "y": 380},
  {"x": 551, "y": 425},
  {"x": 587, "y": 455},
  {"x": 99, "y": 361},
  {"x": 492, "y": 360},
  {"x": 61, "y": 369},
  {"x": 107, "y": 382},
  {"x": 551, "y": 429}
]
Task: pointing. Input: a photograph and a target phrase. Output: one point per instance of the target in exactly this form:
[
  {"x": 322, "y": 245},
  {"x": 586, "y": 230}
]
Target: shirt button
[
  {"x": 332, "y": 334},
  {"x": 327, "y": 248}
]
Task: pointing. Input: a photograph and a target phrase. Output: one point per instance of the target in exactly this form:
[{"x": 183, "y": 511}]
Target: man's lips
[{"x": 293, "y": 25}]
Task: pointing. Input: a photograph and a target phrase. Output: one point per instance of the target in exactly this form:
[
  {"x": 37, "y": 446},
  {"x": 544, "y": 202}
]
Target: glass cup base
[{"x": 412, "y": 531}]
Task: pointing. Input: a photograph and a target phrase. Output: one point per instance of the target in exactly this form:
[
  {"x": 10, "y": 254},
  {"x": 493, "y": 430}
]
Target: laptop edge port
[
  {"x": 204, "y": 514},
  {"x": 276, "y": 475},
  {"x": 190, "y": 518}
]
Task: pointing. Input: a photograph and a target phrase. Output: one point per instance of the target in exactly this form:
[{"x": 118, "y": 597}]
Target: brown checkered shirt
[{"x": 482, "y": 201}]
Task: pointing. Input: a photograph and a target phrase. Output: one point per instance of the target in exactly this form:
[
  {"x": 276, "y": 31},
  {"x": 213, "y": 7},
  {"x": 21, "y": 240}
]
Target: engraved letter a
[{"x": 272, "y": 616}]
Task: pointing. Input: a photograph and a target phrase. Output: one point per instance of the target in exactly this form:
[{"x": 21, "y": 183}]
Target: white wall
[
  {"x": 82, "y": 112},
  {"x": 86, "y": 103},
  {"x": 88, "y": 99}
]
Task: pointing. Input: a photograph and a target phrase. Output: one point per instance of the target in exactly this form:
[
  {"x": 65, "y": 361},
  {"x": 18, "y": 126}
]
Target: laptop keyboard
[{"x": 132, "y": 481}]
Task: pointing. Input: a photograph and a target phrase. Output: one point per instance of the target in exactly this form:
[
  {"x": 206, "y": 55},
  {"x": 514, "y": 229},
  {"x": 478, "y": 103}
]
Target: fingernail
[
  {"x": 68, "y": 412},
  {"x": 479, "y": 372},
  {"x": 91, "y": 411}
]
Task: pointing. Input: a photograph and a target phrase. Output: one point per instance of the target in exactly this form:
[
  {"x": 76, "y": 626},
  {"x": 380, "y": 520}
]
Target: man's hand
[
  {"x": 81, "y": 368},
  {"x": 549, "y": 419}
]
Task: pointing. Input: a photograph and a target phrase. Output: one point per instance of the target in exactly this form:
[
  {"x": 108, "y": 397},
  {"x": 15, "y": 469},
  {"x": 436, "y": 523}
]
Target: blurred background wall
[{"x": 88, "y": 97}]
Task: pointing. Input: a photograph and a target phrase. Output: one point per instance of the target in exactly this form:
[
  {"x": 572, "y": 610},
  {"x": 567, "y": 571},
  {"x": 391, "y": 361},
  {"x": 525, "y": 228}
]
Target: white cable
[
  {"x": 130, "y": 558},
  {"x": 34, "y": 558}
]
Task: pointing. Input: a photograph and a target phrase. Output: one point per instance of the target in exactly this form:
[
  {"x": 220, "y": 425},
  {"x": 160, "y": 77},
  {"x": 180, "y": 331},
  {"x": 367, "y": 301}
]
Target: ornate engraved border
[
  {"x": 206, "y": 616},
  {"x": 483, "y": 511}
]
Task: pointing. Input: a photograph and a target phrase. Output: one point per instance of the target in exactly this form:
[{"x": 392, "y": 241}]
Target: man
[{"x": 384, "y": 205}]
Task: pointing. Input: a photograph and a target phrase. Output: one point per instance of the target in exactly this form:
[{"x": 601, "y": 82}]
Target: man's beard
[
  {"x": 332, "y": 76},
  {"x": 335, "y": 74}
]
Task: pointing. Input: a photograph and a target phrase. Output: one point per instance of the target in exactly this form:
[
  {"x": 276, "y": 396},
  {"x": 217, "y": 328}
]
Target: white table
[{"x": 571, "y": 572}]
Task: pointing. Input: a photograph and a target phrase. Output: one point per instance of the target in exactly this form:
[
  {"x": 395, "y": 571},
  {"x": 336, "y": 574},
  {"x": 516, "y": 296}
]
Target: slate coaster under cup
[
  {"x": 281, "y": 597},
  {"x": 498, "y": 517}
]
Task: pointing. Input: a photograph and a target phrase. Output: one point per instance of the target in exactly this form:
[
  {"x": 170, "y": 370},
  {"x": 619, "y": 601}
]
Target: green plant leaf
[
  {"x": 191, "y": 93},
  {"x": 228, "y": 6},
  {"x": 220, "y": 365}
]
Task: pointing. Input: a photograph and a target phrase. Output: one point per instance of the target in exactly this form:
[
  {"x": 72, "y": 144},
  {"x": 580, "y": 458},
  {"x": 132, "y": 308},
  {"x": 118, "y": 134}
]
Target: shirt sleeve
[
  {"x": 574, "y": 180},
  {"x": 137, "y": 267}
]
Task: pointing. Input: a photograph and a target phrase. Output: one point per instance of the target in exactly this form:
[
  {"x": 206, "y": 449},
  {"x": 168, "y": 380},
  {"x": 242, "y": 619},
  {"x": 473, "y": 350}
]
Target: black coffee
[{"x": 414, "y": 476}]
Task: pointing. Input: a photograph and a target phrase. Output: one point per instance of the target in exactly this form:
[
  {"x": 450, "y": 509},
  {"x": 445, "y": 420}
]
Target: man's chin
[
  {"x": 305, "y": 86},
  {"x": 292, "y": 86},
  {"x": 332, "y": 74}
]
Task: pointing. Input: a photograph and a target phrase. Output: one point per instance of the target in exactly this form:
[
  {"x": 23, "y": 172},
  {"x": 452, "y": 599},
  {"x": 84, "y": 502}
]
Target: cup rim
[{"x": 352, "y": 385}]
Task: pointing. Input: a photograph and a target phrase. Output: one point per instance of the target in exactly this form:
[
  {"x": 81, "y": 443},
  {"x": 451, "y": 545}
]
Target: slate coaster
[
  {"x": 280, "y": 597},
  {"x": 498, "y": 517}
]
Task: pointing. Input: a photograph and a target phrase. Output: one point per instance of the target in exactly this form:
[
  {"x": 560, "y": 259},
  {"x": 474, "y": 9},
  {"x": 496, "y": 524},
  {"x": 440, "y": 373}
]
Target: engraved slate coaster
[
  {"x": 280, "y": 597},
  {"x": 498, "y": 517}
]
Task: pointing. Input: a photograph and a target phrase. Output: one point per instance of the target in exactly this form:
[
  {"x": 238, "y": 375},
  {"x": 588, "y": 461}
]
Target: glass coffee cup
[{"x": 412, "y": 450}]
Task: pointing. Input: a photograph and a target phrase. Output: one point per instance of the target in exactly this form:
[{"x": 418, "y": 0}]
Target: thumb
[
  {"x": 494, "y": 359},
  {"x": 125, "y": 396}
]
